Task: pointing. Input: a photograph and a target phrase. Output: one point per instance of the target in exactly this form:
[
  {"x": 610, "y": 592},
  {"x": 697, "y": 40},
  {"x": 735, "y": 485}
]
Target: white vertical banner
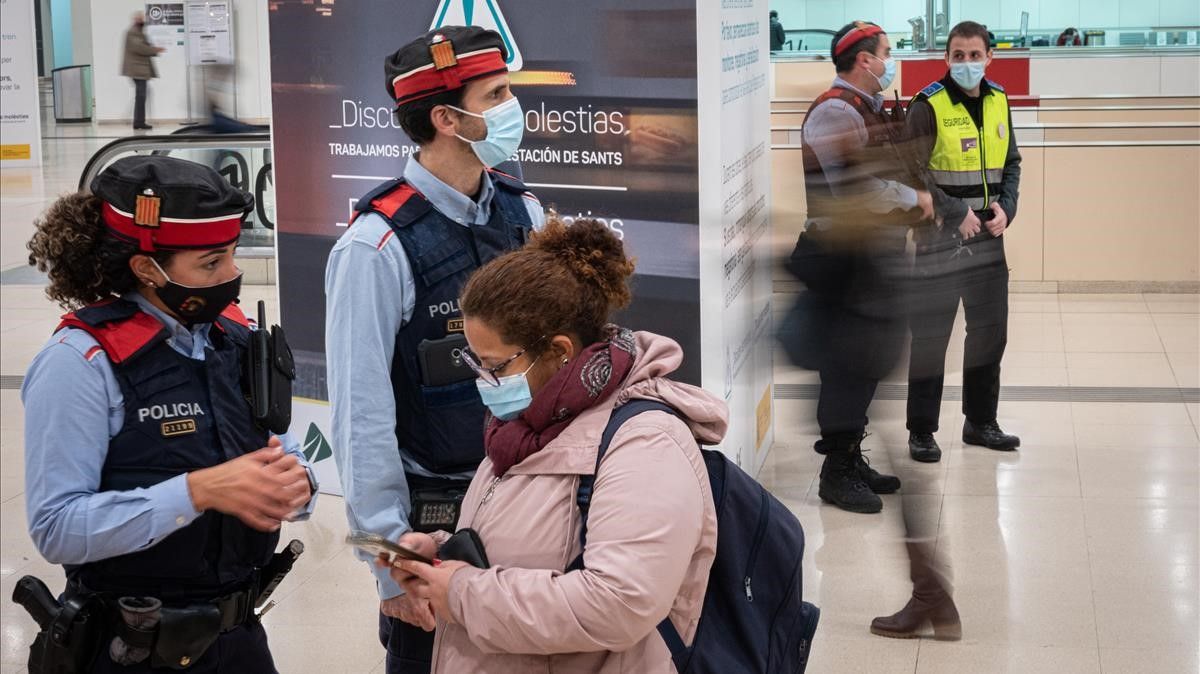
[
  {"x": 210, "y": 33},
  {"x": 20, "y": 121},
  {"x": 733, "y": 95}
]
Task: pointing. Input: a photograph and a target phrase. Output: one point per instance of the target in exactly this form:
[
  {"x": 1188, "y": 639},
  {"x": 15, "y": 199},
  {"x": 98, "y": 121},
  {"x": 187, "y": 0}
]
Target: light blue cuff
[
  {"x": 307, "y": 511},
  {"x": 173, "y": 505},
  {"x": 387, "y": 587},
  {"x": 907, "y": 195}
]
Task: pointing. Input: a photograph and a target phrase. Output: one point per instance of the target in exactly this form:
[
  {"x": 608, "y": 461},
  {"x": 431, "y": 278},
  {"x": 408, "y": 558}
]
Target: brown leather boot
[{"x": 918, "y": 615}]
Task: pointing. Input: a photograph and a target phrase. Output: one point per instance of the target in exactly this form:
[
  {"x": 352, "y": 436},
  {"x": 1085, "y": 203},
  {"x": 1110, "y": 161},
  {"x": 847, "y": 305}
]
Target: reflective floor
[{"x": 1079, "y": 553}]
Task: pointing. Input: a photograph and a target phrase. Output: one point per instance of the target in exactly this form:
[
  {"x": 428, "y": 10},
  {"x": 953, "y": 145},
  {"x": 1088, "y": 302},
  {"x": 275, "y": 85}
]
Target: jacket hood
[{"x": 657, "y": 357}]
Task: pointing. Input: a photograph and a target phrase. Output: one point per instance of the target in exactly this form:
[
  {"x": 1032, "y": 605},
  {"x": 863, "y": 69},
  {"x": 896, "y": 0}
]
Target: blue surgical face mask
[
  {"x": 967, "y": 74},
  {"x": 505, "y": 128},
  {"x": 889, "y": 72},
  {"x": 510, "y": 398}
]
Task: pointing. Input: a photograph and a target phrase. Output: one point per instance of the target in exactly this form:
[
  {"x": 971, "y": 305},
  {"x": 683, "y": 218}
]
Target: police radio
[{"x": 269, "y": 375}]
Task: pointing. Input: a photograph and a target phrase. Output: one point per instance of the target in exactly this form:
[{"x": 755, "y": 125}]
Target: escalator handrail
[{"x": 213, "y": 141}]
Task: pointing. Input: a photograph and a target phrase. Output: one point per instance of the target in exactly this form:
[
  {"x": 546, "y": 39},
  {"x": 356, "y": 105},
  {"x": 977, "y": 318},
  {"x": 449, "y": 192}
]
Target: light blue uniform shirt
[
  {"x": 835, "y": 127},
  {"x": 369, "y": 295},
  {"x": 73, "y": 407}
]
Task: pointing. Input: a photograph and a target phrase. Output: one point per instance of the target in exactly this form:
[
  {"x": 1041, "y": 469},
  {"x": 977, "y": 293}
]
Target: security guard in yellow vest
[{"x": 962, "y": 130}]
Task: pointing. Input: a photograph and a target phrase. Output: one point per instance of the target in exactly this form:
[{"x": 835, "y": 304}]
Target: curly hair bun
[{"x": 592, "y": 252}]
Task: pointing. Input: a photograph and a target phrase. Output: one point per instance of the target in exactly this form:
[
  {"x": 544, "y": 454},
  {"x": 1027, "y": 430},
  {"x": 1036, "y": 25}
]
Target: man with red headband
[
  {"x": 860, "y": 202},
  {"x": 407, "y": 418}
]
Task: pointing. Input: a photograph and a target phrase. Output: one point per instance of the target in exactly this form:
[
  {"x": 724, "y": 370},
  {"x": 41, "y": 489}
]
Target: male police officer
[
  {"x": 962, "y": 131},
  {"x": 859, "y": 207},
  {"x": 407, "y": 419}
]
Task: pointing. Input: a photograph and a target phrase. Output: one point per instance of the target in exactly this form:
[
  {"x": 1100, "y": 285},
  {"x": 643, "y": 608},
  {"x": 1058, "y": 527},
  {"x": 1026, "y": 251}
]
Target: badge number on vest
[
  {"x": 454, "y": 325},
  {"x": 171, "y": 429}
]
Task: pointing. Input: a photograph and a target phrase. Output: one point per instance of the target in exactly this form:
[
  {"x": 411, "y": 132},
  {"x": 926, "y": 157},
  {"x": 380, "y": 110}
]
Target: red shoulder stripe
[
  {"x": 492, "y": 170},
  {"x": 383, "y": 241},
  {"x": 390, "y": 203},
  {"x": 234, "y": 313},
  {"x": 120, "y": 339},
  {"x": 92, "y": 353}
]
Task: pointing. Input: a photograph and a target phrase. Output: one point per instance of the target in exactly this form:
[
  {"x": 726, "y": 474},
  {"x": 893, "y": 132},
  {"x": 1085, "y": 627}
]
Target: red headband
[
  {"x": 174, "y": 233},
  {"x": 429, "y": 79},
  {"x": 861, "y": 31}
]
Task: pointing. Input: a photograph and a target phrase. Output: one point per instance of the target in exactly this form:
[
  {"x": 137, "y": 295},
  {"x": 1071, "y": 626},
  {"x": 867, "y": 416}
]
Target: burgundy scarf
[{"x": 592, "y": 376}]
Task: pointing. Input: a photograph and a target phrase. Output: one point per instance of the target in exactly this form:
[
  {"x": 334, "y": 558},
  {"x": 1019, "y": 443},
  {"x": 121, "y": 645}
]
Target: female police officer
[{"x": 146, "y": 475}]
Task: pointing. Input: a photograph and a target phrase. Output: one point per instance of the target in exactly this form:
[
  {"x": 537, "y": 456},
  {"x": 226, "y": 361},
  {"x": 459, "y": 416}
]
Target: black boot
[
  {"x": 878, "y": 482},
  {"x": 988, "y": 434},
  {"x": 922, "y": 447},
  {"x": 843, "y": 486}
]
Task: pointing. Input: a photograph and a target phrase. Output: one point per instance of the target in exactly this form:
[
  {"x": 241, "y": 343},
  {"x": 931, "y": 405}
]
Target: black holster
[
  {"x": 70, "y": 645},
  {"x": 184, "y": 634}
]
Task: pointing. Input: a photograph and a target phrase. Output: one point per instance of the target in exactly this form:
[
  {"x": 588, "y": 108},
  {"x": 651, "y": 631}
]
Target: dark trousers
[
  {"x": 242, "y": 650},
  {"x": 409, "y": 648},
  {"x": 139, "y": 103},
  {"x": 842, "y": 406},
  {"x": 980, "y": 280}
]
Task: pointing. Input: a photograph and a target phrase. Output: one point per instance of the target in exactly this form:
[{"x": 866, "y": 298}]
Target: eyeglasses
[{"x": 490, "y": 375}]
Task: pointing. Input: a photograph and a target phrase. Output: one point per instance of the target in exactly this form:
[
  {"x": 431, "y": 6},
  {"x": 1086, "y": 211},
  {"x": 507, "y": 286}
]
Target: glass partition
[{"x": 1042, "y": 25}]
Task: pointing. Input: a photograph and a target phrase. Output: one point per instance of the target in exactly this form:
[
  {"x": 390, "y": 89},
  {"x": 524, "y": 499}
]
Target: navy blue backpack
[{"x": 754, "y": 618}]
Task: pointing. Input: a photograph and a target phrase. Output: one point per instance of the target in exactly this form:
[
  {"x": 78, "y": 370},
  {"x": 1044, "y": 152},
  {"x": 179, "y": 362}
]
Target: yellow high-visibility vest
[{"x": 968, "y": 161}]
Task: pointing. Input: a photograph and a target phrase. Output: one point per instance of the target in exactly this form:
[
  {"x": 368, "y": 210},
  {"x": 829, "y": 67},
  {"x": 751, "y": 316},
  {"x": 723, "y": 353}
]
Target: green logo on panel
[{"x": 316, "y": 447}]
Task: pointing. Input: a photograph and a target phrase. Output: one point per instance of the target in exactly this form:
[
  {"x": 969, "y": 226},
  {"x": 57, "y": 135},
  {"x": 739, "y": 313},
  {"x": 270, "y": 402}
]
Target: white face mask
[
  {"x": 505, "y": 129},
  {"x": 889, "y": 72},
  {"x": 967, "y": 74}
]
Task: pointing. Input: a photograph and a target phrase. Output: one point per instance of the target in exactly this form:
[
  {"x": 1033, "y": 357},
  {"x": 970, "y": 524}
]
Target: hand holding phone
[{"x": 376, "y": 546}]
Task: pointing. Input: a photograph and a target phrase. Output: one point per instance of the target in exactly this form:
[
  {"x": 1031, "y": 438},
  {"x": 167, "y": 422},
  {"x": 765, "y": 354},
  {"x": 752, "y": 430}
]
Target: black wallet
[{"x": 465, "y": 546}]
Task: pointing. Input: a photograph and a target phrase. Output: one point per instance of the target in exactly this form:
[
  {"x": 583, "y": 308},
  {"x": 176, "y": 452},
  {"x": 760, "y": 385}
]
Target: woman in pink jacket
[{"x": 552, "y": 368}]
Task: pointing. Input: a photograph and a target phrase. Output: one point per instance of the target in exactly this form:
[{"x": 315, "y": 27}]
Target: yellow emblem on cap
[
  {"x": 147, "y": 209},
  {"x": 442, "y": 51}
]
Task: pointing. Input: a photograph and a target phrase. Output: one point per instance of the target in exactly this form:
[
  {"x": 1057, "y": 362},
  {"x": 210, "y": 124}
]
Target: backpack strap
[
  {"x": 583, "y": 497},
  {"x": 680, "y": 653}
]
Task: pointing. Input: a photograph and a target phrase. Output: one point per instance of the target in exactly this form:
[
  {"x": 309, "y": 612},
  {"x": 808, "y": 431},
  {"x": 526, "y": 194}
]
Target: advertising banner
[
  {"x": 609, "y": 91},
  {"x": 20, "y": 123},
  {"x": 734, "y": 104}
]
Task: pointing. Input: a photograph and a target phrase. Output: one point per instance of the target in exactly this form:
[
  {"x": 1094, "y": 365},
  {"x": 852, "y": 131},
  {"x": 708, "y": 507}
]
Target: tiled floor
[{"x": 1079, "y": 553}]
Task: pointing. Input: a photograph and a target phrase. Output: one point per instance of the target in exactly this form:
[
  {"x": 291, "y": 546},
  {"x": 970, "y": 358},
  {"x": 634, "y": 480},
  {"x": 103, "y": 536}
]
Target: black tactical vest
[
  {"x": 181, "y": 415},
  {"x": 441, "y": 427}
]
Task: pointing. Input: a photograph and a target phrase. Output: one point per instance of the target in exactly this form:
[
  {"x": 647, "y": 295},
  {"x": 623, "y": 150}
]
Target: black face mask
[{"x": 201, "y": 304}]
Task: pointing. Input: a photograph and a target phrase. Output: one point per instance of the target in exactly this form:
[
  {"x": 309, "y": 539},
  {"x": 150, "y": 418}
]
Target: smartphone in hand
[{"x": 377, "y": 545}]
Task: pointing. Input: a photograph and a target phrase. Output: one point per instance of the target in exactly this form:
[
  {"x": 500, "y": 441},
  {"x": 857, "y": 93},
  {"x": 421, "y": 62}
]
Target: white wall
[
  {"x": 1130, "y": 76},
  {"x": 81, "y": 32},
  {"x": 893, "y": 15},
  {"x": 169, "y": 94}
]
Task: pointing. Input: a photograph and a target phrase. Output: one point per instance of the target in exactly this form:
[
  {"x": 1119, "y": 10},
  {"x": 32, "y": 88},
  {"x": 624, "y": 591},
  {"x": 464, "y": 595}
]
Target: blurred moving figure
[
  {"x": 962, "y": 132},
  {"x": 138, "y": 66},
  {"x": 849, "y": 324},
  {"x": 932, "y": 604}
]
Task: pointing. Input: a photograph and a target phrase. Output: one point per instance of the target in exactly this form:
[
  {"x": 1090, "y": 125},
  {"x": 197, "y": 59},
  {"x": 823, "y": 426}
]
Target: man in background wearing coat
[{"x": 139, "y": 67}]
